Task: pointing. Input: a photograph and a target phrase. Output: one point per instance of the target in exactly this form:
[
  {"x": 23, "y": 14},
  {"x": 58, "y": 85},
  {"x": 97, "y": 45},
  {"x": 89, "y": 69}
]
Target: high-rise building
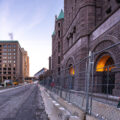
[{"x": 11, "y": 60}]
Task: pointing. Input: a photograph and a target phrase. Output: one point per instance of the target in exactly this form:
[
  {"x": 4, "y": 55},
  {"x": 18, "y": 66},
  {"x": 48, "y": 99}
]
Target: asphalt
[{"x": 22, "y": 103}]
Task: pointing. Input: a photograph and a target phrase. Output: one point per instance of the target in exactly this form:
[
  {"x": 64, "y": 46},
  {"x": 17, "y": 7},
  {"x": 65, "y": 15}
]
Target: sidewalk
[{"x": 49, "y": 107}]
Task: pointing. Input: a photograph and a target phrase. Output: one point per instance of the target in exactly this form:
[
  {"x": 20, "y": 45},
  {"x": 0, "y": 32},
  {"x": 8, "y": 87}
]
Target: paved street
[{"x": 22, "y": 103}]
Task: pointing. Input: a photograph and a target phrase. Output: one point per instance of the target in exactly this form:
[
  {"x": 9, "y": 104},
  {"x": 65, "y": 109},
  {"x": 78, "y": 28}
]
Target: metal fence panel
[{"x": 93, "y": 88}]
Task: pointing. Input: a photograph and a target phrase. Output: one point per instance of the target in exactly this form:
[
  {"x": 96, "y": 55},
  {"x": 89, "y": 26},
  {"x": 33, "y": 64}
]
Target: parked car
[
  {"x": 8, "y": 82},
  {"x": 15, "y": 83},
  {"x": 2, "y": 84}
]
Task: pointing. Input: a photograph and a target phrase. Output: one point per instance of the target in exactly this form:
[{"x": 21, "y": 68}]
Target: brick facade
[{"x": 88, "y": 25}]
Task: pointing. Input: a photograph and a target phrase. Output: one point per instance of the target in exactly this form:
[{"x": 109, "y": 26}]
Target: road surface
[{"x": 22, "y": 103}]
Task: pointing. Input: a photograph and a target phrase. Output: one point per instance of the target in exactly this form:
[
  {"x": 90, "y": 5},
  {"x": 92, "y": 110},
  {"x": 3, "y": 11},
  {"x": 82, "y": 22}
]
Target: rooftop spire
[{"x": 61, "y": 15}]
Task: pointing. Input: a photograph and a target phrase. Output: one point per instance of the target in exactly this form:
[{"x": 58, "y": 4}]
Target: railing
[{"x": 92, "y": 84}]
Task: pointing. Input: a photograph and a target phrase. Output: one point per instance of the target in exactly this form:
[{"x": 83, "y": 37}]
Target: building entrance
[{"x": 105, "y": 66}]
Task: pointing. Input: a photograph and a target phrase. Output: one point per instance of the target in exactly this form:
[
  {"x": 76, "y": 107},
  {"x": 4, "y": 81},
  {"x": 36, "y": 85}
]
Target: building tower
[{"x": 57, "y": 44}]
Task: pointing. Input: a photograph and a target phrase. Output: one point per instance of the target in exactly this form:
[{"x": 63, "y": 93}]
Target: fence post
[
  {"x": 107, "y": 81},
  {"x": 70, "y": 86},
  {"x": 92, "y": 79},
  {"x": 61, "y": 80},
  {"x": 88, "y": 82}
]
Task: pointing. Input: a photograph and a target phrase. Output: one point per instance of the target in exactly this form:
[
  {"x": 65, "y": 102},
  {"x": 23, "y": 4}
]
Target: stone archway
[
  {"x": 104, "y": 62},
  {"x": 69, "y": 73},
  {"x": 100, "y": 44},
  {"x": 104, "y": 75}
]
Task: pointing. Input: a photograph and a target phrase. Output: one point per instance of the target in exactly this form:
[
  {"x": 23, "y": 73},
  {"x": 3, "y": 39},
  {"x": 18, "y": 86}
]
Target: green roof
[
  {"x": 53, "y": 33},
  {"x": 61, "y": 15}
]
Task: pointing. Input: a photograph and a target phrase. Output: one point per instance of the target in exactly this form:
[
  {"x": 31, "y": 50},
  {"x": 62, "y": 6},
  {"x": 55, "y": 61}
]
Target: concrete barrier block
[
  {"x": 74, "y": 118},
  {"x": 72, "y": 109},
  {"x": 65, "y": 114},
  {"x": 62, "y": 113},
  {"x": 90, "y": 118}
]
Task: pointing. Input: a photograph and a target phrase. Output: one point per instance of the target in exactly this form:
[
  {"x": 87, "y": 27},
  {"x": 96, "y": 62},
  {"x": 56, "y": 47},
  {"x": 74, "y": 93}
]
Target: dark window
[
  {"x": 118, "y": 1},
  {"x": 71, "y": 35},
  {"x": 108, "y": 10},
  {"x": 9, "y": 72},
  {"x": 4, "y": 77},
  {"x": 74, "y": 30},
  {"x": 58, "y": 59},
  {"x": 9, "y": 65},
  {"x": 58, "y": 46},
  {"x": 58, "y": 33},
  {"x": 59, "y": 71},
  {"x": 4, "y": 72},
  {"x": 9, "y": 68},
  {"x": 58, "y": 24},
  {"x": 4, "y": 68},
  {"x": 9, "y": 77}
]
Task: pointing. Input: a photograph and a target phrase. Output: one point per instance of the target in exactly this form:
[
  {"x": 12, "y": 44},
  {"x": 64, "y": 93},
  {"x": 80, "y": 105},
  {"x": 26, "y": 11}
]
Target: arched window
[
  {"x": 71, "y": 70},
  {"x": 104, "y": 62}
]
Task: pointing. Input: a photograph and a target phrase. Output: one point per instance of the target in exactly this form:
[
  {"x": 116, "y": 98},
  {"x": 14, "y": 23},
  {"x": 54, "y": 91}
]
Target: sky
[{"x": 32, "y": 24}]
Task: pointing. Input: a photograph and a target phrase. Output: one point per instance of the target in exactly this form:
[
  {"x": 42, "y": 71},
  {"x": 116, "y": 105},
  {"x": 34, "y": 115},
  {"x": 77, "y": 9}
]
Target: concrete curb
[{"x": 66, "y": 110}]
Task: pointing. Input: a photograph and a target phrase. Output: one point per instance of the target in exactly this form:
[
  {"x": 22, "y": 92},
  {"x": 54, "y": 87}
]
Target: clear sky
[{"x": 32, "y": 24}]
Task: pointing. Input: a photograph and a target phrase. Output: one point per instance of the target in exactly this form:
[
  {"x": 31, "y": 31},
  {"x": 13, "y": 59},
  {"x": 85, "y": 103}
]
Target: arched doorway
[
  {"x": 71, "y": 70},
  {"x": 71, "y": 76},
  {"x": 104, "y": 67},
  {"x": 69, "y": 80}
]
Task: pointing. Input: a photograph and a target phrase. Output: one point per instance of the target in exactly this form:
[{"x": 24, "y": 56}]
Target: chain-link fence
[{"x": 92, "y": 84}]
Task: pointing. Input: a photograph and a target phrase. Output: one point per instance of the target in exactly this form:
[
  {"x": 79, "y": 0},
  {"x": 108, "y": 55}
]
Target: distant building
[
  {"x": 11, "y": 61},
  {"x": 41, "y": 72},
  {"x": 50, "y": 63},
  {"x": 25, "y": 63}
]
